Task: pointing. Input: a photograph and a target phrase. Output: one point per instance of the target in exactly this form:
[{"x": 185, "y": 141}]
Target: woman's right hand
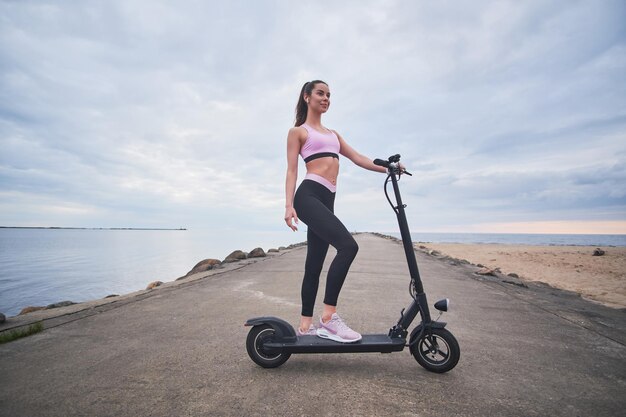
[{"x": 291, "y": 216}]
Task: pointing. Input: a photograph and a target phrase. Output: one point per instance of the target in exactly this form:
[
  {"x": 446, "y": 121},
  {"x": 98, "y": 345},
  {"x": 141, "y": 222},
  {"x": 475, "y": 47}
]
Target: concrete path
[{"x": 179, "y": 350}]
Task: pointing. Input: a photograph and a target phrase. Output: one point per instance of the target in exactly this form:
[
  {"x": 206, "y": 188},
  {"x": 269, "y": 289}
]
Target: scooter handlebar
[
  {"x": 392, "y": 164},
  {"x": 381, "y": 163}
]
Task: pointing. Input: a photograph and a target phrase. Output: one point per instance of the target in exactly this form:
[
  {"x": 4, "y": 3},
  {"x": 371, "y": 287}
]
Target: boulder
[
  {"x": 59, "y": 304},
  {"x": 30, "y": 309},
  {"x": 204, "y": 265},
  {"x": 3, "y": 318},
  {"x": 257, "y": 253},
  {"x": 153, "y": 284},
  {"x": 598, "y": 252},
  {"x": 296, "y": 245},
  {"x": 235, "y": 256},
  {"x": 273, "y": 250},
  {"x": 112, "y": 295},
  {"x": 486, "y": 271}
]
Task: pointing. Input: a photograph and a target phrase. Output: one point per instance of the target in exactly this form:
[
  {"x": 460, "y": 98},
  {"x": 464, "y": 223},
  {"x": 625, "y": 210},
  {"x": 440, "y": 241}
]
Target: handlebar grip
[{"x": 381, "y": 163}]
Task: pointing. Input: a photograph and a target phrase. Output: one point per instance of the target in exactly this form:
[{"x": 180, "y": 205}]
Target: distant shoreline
[{"x": 87, "y": 228}]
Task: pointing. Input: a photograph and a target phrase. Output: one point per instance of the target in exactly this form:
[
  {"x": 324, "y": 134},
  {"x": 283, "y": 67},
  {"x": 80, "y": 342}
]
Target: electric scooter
[{"x": 271, "y": 341}]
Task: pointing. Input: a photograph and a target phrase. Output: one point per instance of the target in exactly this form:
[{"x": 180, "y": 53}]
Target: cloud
[{"x": 160, "y": 114}]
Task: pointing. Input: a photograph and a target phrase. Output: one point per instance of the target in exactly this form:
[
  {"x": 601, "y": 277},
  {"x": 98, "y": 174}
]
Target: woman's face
[{"x": 319, "y": 100}]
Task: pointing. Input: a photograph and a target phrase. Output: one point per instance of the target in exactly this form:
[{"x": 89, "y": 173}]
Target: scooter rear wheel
[
  {"x": 257, "y": 337},
  {"x": 438, "y": 352}
]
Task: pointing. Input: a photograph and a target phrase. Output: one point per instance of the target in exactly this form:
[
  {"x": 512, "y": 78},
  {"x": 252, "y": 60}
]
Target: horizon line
[{"x": 92, "y": 228}]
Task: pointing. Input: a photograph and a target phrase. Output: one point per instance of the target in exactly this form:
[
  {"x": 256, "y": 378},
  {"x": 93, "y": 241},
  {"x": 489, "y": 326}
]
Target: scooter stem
[
  {"x": 409, "y": 251},
  {"x": 406, "y": 237}
]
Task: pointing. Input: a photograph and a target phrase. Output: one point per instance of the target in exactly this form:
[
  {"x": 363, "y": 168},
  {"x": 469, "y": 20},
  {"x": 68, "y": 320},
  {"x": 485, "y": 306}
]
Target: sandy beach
[{"x": 597, "y": 278}]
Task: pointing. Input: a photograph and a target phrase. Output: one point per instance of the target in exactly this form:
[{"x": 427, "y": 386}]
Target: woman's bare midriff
[{"x": 327, "y": 167}]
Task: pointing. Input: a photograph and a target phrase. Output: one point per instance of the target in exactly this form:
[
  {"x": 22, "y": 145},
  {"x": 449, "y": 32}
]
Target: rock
[
  {"x": 281, "y": 248},
  {"x": 30, "y": 309},
  {"x": 257, "y": 253},
  {"x": 433, "y": 253},
  {"x": 486, "y": 271},
  {"x": 272, "y": 250},
  {"x": 513, "y": 275},
  {"x": 112, "y": 295},
  {"x": 60, "y": 304},
  {"x": 392, "y": 238},
  {"x": 204, "y": 265},
  {"x": 153, "y": 284},
  {"x": 296, "y": 245},
  {"x": 3, "y": 318},
  {"x": 235, "y": 256},
  {"x": 598, "y": 252}
]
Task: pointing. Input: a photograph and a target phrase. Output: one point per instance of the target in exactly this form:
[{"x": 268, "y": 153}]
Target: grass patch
[{"x": 18, "y": 334}]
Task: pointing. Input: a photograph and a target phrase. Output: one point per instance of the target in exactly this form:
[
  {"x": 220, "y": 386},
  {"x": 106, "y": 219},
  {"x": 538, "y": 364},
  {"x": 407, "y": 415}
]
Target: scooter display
[{"x": 271, "y": 341}]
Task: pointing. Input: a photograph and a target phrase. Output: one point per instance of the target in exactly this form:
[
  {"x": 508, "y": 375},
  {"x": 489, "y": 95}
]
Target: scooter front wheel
[
  {"x": 255, "y": 345},
  {"x": 438, "y": 351}
]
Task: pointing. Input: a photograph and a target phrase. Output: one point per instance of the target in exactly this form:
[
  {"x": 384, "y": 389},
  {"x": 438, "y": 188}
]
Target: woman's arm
[
  {"x": 293, "y": 149},
  {"x": 360, "y": 160}
]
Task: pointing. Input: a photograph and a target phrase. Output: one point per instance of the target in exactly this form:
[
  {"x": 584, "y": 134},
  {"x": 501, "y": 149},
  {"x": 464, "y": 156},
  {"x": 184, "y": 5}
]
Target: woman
[{"x": 313, "y": 203}]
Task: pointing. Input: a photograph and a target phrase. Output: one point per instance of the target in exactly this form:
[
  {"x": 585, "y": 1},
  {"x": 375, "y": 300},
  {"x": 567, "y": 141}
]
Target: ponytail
[{"x": 302, "y": 108}]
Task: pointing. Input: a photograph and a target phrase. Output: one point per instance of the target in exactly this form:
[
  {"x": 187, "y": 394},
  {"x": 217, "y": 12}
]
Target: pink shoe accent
[
  {"x": 311, "y": 332},
  {"x": 336, "y": 329}
]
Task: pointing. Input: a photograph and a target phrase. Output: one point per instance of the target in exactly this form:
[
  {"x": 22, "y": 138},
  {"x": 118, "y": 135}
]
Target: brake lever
[{"x": 399, "y": 171}]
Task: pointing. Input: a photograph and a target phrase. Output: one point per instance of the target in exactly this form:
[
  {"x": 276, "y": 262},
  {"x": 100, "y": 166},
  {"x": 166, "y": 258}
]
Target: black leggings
[{"x": 314, "y": 205}]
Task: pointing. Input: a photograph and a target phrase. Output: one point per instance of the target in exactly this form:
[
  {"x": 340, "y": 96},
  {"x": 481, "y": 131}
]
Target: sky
[{"x": 141, "y": 113}]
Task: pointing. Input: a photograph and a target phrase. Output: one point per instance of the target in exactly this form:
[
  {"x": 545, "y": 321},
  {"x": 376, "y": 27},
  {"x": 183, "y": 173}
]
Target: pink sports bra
[{"x": 319, "y": 145}]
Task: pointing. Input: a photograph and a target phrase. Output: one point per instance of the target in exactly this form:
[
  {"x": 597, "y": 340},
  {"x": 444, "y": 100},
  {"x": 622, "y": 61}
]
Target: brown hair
[{"x": 302, "y": 108}]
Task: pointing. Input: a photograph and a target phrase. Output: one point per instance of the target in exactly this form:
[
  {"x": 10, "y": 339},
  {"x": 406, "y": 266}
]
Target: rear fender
[{"x": 284, "y": 332}]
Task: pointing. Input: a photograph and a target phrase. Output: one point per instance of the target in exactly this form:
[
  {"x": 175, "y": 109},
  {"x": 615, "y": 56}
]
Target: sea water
[
  {"x": 43, "y": 266},
  {"x": 520, "y": 239}
]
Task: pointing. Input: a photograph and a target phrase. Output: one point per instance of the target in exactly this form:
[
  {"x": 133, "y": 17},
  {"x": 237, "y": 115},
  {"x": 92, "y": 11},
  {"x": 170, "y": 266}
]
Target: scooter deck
[{"x": 314, "y": 344}]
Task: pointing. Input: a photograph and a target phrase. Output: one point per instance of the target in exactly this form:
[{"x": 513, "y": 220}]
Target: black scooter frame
[{"x": 285, "y": 340}]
